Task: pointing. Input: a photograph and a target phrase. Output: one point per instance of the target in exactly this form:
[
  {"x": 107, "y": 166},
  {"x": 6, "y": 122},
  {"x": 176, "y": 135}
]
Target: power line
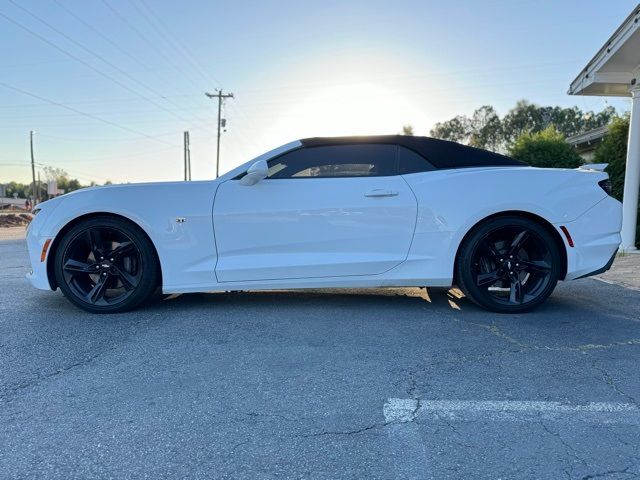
[
  {"x": 123, "y": 51},
  {"x": 69, "y": 54},
  {"x": 165, "y": 31},
  {"x": 98, "y": 32},
  {"x": 105, "y": 140},
  {"x": 149, "y": 42},
  {"x": 118, "y": 157},
  {"x": 105, "y": 100},
  {"x": 84, "y": 114},
  {"x": 80, "y": 174},
  {"x": 94, "y": 54},
  {"x": 134, "y": 111}
]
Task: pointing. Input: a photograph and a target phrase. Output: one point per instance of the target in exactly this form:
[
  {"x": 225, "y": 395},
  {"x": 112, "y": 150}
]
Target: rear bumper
[
  {"x": 596, "y": 236},
  {"x": 603, "y": 269}
]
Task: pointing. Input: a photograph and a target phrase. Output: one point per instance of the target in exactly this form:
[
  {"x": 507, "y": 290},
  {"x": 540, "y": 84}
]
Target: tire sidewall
[
  {"x": 149, "y": 278},
  {"x": 464, "y": 263}
]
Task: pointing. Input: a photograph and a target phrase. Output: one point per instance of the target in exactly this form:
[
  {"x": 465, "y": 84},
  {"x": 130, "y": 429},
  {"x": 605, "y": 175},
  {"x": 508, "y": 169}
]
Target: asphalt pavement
[{"x": 390, "y": 383}]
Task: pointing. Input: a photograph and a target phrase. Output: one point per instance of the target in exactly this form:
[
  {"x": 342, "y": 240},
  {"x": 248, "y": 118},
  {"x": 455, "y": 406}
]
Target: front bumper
[{"x": 38, "y": 273}]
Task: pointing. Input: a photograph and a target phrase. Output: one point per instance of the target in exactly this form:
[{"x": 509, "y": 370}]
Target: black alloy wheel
[
  {"x": 106, "y": 265},
  {"x": 509, "y": 264}
]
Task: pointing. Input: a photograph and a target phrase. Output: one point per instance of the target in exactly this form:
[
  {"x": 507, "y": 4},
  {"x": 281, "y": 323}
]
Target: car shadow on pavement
[{"x": 437, "y": 298}]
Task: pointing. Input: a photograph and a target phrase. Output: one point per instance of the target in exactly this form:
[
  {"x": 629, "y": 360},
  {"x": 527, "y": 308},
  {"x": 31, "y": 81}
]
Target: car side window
[
  {"x": 371, "y": 160},
  {"x": 412, "y": 162}
]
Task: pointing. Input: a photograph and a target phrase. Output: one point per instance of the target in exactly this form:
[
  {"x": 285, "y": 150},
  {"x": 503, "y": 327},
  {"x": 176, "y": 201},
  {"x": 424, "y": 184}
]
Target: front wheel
[
  {"x": 508, "y": 264},
  {"x": 106, "y": 265}
]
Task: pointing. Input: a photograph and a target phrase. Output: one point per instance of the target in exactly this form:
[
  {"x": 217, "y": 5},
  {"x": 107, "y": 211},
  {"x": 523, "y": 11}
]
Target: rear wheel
[
  {"x": 106, "y": 265},
  {"x": 508, "y": 264}
]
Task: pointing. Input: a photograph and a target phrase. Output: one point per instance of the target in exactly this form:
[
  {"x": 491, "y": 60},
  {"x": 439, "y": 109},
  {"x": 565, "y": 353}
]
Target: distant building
[{"x": 587, "y": 142}]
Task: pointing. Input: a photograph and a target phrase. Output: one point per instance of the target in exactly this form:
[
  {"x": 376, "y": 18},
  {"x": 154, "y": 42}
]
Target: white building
[{"x": 615, "y": 71}]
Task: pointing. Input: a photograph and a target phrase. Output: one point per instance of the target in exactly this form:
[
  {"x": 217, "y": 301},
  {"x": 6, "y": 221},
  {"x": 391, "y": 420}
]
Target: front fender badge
[{"x": 45, "y": 248}]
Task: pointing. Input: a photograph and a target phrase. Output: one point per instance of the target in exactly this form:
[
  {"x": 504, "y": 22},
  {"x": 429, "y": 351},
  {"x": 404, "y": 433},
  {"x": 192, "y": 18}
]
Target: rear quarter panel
[{"x": 451, "y": 202}]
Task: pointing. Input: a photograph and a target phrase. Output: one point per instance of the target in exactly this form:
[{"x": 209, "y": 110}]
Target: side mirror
[{"x": 255, "y": 173}]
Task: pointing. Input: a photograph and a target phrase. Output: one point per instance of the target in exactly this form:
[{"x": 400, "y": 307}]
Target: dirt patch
[{"x": 15, "y": 220}]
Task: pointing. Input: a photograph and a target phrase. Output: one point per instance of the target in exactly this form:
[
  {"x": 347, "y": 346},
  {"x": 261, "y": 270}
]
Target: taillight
[{"x": 605, "y": 185}]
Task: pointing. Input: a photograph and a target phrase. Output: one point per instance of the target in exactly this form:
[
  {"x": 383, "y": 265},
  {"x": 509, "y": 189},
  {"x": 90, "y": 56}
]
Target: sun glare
[{"x": 349, "y": 109}]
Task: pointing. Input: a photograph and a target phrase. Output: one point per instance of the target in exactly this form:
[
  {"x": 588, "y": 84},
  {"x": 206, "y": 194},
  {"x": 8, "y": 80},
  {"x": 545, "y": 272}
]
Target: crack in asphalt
[
  {"x": 347, "y": 432},
  {"x": 608, "y": 379},
  {"x": 42, "y": 378},
  {"x": 9, "y": 392},
  {"x": 569, "y": 450},
  {"x": 495, "y": 330},
  {"x": 624, "y": 471}
]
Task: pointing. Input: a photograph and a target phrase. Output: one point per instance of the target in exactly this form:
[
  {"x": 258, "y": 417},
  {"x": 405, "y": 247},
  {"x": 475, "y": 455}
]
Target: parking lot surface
[{"x": 393, "y": 383}]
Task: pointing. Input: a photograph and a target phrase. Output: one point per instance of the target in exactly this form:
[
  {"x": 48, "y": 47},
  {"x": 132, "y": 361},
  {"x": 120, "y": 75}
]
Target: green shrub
[
  {"x": 547, "y": 149},
  {"x": 613, "y": 150}
]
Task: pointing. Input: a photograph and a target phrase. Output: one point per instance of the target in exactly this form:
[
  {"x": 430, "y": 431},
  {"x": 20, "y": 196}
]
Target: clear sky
[{"x": 138, "y": 69}]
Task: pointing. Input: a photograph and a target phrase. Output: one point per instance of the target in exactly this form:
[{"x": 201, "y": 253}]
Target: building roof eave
[{"x": 590, "y": 81}]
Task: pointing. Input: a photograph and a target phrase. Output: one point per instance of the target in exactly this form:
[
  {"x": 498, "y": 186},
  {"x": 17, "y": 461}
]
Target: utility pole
[
  {"x": 33, "y": 169},
  {"x": 220, "y": 96},
  {"x": 187, "y": 157}
]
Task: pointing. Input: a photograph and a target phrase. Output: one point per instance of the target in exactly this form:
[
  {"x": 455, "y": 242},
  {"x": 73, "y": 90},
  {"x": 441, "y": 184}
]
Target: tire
[
  {"x": 106, "y": 265},
  {"x": 508, "y": 264}
]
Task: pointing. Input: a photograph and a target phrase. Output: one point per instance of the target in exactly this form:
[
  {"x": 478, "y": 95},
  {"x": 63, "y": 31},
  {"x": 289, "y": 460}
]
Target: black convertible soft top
[{"x": 440, "y": 153}]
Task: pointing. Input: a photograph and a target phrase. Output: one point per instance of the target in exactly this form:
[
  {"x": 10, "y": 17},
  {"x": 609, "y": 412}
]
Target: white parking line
[
  {"x": 408, "y": 446},
  {"x": 402, "y": 410}
]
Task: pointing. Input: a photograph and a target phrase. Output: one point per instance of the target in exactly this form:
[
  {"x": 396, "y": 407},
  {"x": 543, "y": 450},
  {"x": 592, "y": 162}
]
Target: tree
[
  {"x": 53, "y": 174},
  {"x": 485, "y": 128},
  {"x": 20, "y": 188},
  {"x": 547, "y": 149},
  {"x": 613, "y": 150},
  {"x": 407, "y": 130},
  {"x": 456, "y": 129},
  {"x": 61, "y": 177}
]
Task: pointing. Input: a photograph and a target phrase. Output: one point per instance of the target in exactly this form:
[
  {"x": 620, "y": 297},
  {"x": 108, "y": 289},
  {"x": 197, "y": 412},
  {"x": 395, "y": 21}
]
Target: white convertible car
[{"x": 334, "y": 212}]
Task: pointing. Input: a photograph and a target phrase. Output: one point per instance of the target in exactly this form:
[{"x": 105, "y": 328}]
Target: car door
[{"x": 325, "y": 211}]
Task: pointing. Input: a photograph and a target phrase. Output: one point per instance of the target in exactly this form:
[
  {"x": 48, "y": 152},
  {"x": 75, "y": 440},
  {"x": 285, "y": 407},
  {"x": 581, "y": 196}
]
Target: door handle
[{"x": 381, "y": 192}]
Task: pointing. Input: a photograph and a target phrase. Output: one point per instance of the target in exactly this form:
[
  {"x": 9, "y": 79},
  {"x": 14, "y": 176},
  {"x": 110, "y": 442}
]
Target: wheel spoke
[
  {"x": 129, "y": 282},
  {"x": 94, "y": 238},
  {"x": 97, "y": 292},
  {"x": 120, "y": 250},
  {"x": 491, "y": 250},
  {"x": 487, "y": 279},
  {"x": 518, "y": 242},
  {"x": 535, "y": 266},
  {"x": 75, "y": 266},
  {"x": 515, "y": 291}
]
